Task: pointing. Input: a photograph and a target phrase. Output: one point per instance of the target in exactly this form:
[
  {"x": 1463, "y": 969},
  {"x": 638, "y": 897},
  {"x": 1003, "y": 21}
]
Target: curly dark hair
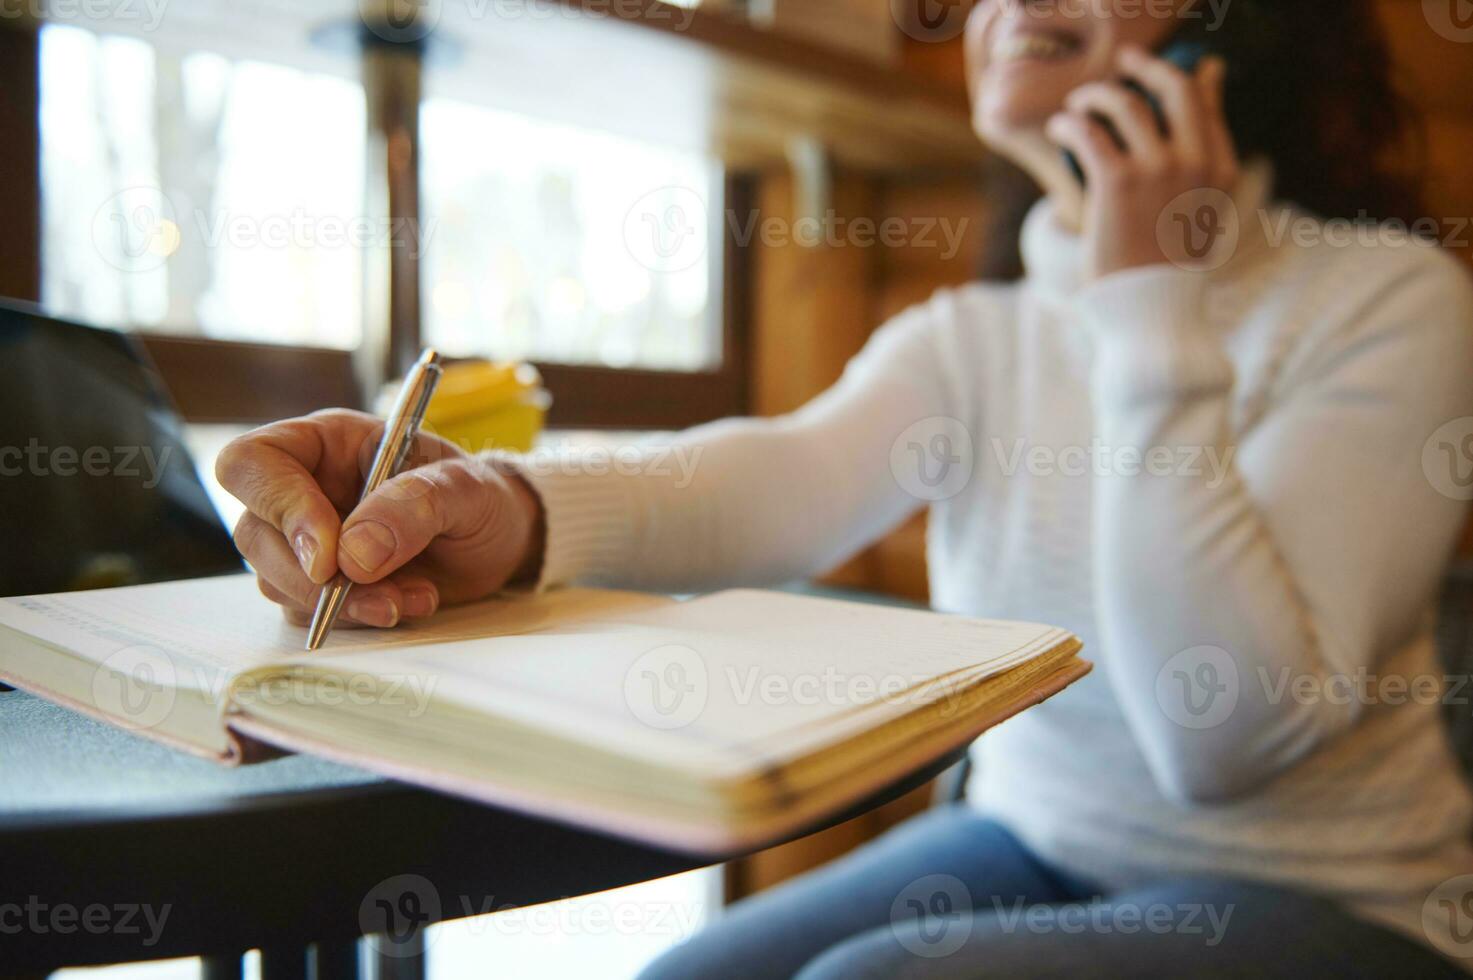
[{"x": 1309, "y": 87}]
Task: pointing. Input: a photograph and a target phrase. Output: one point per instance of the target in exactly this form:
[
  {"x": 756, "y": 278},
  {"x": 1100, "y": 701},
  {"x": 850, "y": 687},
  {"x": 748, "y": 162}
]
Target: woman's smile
[{"x": 1030, "y": 44}]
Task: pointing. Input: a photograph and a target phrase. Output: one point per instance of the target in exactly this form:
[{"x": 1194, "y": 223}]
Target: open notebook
[{"x": 714, "y": 724}]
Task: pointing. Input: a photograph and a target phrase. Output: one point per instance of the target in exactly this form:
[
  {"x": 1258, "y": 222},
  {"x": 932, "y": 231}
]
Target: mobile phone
[{"x": 1186, "y": 55}]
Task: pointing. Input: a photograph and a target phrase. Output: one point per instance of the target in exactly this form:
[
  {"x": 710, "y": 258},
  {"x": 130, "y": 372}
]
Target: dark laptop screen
[{"x": 96, "y": 486}]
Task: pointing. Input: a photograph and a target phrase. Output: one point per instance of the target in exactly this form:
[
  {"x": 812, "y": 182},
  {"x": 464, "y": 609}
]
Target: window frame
[
  {"x": 235, "y": 382},
  {"x": 20, "y": 173}
]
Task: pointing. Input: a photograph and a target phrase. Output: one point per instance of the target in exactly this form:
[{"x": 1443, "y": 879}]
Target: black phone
[{"x": 1186, "y": 55}]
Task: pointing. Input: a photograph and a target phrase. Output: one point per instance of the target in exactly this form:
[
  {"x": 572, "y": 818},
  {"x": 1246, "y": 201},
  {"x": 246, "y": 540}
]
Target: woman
[{"x": 1204, "y": 455}]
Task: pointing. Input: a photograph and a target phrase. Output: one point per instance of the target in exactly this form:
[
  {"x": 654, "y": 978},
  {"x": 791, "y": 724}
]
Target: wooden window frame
[
  {"x": 232, "y": 382},
  {"x": 20, "y": 172}
]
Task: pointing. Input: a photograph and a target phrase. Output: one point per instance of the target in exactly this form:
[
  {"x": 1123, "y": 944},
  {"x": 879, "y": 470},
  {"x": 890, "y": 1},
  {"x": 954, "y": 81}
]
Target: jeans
[{"x": 952, "y": 895}]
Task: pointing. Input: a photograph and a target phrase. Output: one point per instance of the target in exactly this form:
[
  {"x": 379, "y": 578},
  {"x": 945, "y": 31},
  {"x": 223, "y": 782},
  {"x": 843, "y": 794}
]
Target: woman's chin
[{"x": 1004, "y": 123}]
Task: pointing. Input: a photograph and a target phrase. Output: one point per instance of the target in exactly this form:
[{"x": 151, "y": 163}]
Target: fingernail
[
  {"x": 306, "y": 548},
  {"x": 369, "y": 544},
  {"x": 420, "y": 602},
  {"x": 374, "y": 610}
]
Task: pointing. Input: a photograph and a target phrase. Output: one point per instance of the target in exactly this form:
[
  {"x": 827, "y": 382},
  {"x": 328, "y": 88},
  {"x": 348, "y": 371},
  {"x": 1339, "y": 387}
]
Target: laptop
[{"x": 97, "y": 488}]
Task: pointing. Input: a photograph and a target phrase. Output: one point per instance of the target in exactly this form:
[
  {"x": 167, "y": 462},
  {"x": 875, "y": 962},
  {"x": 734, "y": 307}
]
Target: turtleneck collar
[{"x": 1053, "y": 256}]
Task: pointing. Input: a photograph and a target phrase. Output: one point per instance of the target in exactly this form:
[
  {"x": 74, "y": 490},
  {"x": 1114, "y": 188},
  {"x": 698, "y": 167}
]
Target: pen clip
[{"x": 416, "y": 416}]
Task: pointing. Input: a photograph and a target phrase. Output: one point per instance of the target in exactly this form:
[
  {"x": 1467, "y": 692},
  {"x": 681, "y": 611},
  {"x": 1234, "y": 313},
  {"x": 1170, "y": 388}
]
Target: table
[{"x": 279, "y": 857}]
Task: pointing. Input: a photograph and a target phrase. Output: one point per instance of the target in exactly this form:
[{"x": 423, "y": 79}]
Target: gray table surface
[{"x": 53, "y": 759}]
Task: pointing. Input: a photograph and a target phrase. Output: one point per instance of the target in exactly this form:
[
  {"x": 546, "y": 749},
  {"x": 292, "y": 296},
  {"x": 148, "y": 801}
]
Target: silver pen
[{"x": 393, "y": 449}]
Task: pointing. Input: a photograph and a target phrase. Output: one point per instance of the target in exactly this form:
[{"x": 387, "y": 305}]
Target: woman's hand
[
  {"x": 1130, "y": 188},
  {"x": 449, "y": 528}
]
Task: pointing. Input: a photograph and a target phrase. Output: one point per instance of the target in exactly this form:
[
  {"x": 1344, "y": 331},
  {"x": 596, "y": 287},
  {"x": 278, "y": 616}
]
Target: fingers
[
  {"x": 398, "y": 521},
  {"x": 419, "y": 596},
  {"x": 1222, "y": 150},
  {"x": 296, "y": 475},
  {"x": 295, "y": 611},
  {"x": 1129, "y": 113},
  {"x": 1100, "y": 157},
  {"x": 271, "y": 471},
  {"x": 382, "y": 605},
  {"x": 267, "y": 551},
  {"x": 1180, "y": 98}
]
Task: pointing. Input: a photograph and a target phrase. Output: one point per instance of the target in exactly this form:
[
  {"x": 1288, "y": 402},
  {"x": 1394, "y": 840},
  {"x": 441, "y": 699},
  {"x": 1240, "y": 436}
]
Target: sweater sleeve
[
  {"x": 1300, "y": 552},
  {"x": 746, "y": 501}
]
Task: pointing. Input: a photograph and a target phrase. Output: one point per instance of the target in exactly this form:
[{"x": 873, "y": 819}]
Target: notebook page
[
  {"x": 708, "y": 682},
  {"x": 209, "y": 630}
]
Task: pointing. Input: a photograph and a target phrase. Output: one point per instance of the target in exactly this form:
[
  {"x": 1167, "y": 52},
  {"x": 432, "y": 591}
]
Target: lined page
[
  {"x": 212, "y": 629},
  {"x": 696, "y": 683},
  {"x": 699, "y": 683}
]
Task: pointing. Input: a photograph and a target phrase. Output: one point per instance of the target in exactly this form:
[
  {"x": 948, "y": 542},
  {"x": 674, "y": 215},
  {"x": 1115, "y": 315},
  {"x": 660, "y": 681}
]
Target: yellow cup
[{"x": 481, "y": 405}]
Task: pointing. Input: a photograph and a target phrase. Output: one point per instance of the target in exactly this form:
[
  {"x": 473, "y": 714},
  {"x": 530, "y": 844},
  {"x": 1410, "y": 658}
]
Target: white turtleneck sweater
[{"x": 1282, "y": 546}]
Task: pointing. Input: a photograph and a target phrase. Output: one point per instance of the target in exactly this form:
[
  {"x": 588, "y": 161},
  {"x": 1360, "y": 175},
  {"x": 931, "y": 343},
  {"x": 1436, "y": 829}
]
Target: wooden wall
[
  {"x": 1436, "y": 72},
  {"x": 813, "y": 309}
]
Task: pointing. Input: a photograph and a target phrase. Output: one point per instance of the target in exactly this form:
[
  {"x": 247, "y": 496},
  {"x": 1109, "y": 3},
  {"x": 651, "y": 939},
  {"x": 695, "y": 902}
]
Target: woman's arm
[
  {"x": 740, "y": 501},
  {"x": 747, "y": 500},
  {"x": 1313, "y": 554}
]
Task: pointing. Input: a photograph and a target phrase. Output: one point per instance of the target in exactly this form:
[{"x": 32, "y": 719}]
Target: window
[
  {"x": 188, "y": 194},
  {"x": 546, "y": 243},
  {"x": 179, "y": 197}
]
